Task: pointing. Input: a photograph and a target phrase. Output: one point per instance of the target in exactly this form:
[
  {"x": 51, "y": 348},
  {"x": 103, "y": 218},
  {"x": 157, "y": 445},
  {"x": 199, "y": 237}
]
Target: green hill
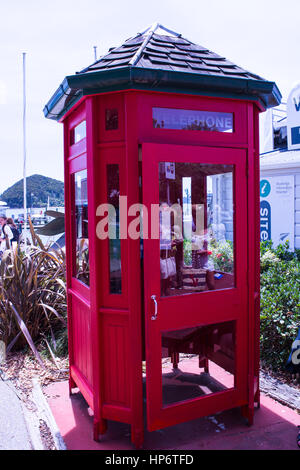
[{"x": 39, "y": 188}]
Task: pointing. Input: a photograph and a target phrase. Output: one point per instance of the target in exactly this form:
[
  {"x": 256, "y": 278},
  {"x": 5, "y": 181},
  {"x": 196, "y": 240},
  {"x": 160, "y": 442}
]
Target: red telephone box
[{"x": 161, "y": 152}]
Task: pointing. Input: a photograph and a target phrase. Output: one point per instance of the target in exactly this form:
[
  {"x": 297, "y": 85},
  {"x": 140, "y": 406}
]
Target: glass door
[{"x": 195, "y": 275}]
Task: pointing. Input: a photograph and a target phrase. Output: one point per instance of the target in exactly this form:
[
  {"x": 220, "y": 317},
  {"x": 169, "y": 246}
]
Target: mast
[{"x": 24, "y": 150}]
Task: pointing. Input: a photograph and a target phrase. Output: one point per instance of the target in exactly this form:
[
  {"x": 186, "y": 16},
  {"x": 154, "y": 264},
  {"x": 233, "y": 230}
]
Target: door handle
[{"x": 154, "y": 317}]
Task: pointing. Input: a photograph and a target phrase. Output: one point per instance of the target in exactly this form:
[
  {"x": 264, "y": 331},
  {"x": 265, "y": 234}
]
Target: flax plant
[{"x": 32, "y": 295}]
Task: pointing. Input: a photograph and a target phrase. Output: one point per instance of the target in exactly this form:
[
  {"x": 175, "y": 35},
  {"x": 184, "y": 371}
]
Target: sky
[{"x": 262, "y": 36}]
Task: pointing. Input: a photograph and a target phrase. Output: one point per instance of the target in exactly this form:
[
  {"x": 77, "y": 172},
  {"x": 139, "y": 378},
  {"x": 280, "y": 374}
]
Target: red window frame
[
  {"x": 76, "y": 161},
  {"x": 157, "y": 100},
  {"x": 108, "y": 156},
  {"x": 110, "y": 101}
]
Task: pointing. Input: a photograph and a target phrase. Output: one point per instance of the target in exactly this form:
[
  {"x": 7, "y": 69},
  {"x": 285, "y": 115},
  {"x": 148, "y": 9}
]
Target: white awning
[{"x": 280, "y": 159}]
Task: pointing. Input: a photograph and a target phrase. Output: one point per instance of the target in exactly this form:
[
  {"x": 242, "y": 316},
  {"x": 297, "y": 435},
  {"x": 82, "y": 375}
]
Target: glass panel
[
  {"x": 78, "y": 133},
  {"x": 196, "y": 227},
  {"x": 197, "y": 361},
  {"x": 81, "y": 219},
  {"x": 113, "y": 193},
  {"x": 111, "y": 119},
  {"x": 192, "y": 120}
]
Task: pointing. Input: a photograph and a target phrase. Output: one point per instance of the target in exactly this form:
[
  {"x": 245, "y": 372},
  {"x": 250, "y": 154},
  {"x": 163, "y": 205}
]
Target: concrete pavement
[
  {"x": 14, "y": 433},
  {"x": 275, "y": 426}
]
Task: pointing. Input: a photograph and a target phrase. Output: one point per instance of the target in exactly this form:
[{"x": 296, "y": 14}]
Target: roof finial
[
  {"x": 140, "y": 50},
  {"x": 157, "y": 26},
  {"x": 150, "y": 29},
  {"x": 149, "y": 33}
]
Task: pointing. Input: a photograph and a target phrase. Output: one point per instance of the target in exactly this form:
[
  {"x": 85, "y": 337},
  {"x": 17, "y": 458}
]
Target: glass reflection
[
  {"x": 78, "y": 133},
  {"x": 196, "y": 227},
  {"x": 192, "y": 120},
  {"x": 81, "y": 220},
  {"x": 113, "y": 193},
  {"x": 197, "y": 361},
  {"x": 111, "y": 119}
]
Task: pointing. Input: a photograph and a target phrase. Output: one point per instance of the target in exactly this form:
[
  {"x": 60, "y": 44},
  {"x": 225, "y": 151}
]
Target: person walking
[
  {"x": 14, "y": 230},
  {"x": 6, "y": 235}
]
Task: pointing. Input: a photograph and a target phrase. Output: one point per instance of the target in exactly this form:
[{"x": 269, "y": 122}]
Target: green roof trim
[
  {"x": 63, "y": 99},
  {"x": 75, "y": 86}
]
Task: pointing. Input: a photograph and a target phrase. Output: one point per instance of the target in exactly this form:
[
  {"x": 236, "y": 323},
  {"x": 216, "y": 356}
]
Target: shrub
[
  {"x": 280, "y": 303},
  {"x": 222, "y": 255},
  {"x": 32, "y": 295},
  {"x": 267, "y": 260}
]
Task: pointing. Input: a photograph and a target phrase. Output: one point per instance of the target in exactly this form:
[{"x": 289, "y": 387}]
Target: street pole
[{"x": 24, "y": 150}]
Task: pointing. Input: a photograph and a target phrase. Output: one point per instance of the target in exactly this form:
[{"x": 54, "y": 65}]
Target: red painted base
[
  {"x": 137, "y": 437},
  {"x": 72, "y": 385},
  {"x": 99, "y": 428},
  {"x": 248, "y": 414}
]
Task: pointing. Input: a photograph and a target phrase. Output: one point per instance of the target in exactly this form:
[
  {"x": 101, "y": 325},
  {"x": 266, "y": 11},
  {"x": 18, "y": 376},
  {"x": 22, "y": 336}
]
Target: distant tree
[{"x": 39, "y": 188}]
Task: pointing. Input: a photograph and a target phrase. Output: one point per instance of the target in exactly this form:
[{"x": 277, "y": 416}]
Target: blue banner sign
[
  {"x": 265, "y": 188},
  {"x": 265, "y": 221},
  {"x": 295, "y": 135}
]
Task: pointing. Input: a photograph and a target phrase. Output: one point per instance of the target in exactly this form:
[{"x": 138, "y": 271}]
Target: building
[{"x": 280, "y": 173}]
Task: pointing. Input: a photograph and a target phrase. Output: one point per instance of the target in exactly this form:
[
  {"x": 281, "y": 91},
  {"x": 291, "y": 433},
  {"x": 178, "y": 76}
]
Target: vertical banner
[
  {"x": 293, "y": 118},
  {"x": 277, "y": 209}
]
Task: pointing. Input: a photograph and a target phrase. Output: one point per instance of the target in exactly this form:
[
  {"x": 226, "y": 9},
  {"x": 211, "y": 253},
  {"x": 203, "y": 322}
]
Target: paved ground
[
  {"x": 275, "y": 427},
  {"x": 14, "y": 433}
]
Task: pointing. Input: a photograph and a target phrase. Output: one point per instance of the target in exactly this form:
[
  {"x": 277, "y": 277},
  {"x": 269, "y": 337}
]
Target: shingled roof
[
  {"x": 160, "y": 58},
  {"x": 168, "y": 51}
]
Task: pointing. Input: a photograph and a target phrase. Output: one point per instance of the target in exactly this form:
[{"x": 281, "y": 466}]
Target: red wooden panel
[
  {"x": 78, "y": 114},
  {"x": 83, "y": 385},
  {"x": 135, "y": 291},
  {"x": 68, "y": 241},
  {"x": 75, "y": 160},
  {"x": 80, "y": 288},
  {"x": 96, "y": 346},
  {"x": 254, "y": 252},
  {"x": 251, "y": 256},
  {"x": 116, "y": 367},
  {"x": 77, "y": 164},
  {"x": 196, "y": 409},
  {"x": 81, "y": 333},
  {"x": 105, "y": 103},
  {"x": 257, "y": 245},
  {"x": 104, "y": 157},
  {"x": 77, "y": 149},
  {"x": 117, "y": 413},
  {"x": 147, "y": 133}
]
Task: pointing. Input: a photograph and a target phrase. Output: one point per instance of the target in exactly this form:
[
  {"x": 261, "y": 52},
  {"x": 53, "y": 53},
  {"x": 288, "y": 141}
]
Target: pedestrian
[
  {"x": 14, "y": 230},
  {"x": 6, "y": 234}
]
